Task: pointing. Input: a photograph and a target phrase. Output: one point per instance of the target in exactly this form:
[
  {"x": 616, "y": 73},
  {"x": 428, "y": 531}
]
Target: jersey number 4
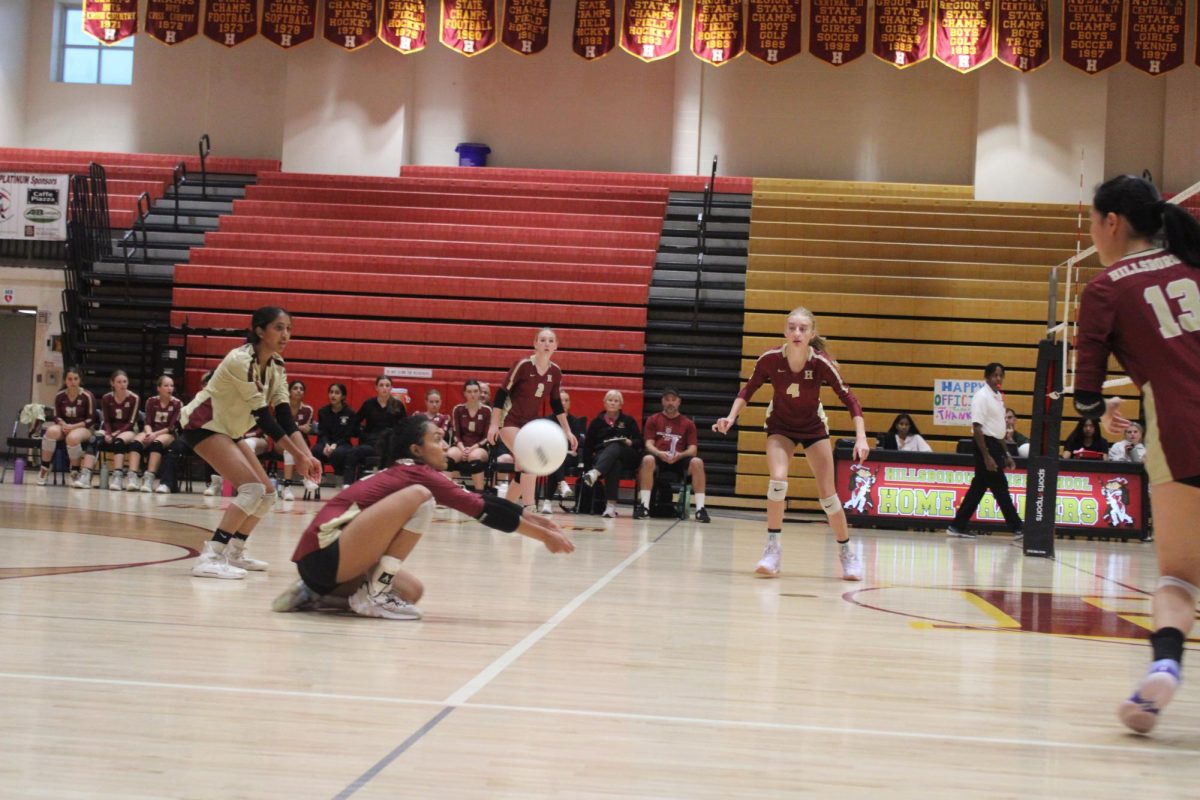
[
  {"x": 541, "y": 390},
  {"x": 793, "y": 390},
  {"x": 1188, "y": 294}
]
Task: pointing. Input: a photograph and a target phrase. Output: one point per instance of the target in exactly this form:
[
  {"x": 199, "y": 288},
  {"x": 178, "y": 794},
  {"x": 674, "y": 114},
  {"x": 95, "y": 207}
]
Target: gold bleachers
[{"x": 909, "y": 283}]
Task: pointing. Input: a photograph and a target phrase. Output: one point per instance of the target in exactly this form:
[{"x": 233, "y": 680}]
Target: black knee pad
[
  {"x": 474, "y": 467},
  {"x": 135, "y": 447},
  {"x": 156, "y": 447}
]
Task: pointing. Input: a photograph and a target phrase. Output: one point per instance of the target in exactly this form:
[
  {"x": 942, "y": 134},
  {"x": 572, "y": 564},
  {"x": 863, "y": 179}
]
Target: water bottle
[
  {"x": 103, "y": 473},
  {"x": 19, "y": 471}
]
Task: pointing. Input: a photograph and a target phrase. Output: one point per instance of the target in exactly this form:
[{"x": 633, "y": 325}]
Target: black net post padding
[{"x": 1041, "y": 475}]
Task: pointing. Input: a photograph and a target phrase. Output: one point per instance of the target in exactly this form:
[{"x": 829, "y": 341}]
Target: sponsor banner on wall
[
  {"x": 595, "y": 32},
  {"x": 963, "y": 33},
  {"x": 110, "y": 21},
  {"x": 351, "y": 24},
  {"x": 650, "y": 28},
  {"x": 837, "y": 30},
  {"x": 287, "y": 23},
  {"x": 1092, "y": 33},
  {"x": 404, "y": 25},
  {"x": 468, "y": 27},
  {"x": 230, "y": 22},
  {"x": 526, "y": 28},
  {"x": 172, "y": 21},
  {"x": 718, "y": 31},
  {"x": 952, "y": 400},
  {"x": 33, "y": 206},
  {"x": 1023, "y": 33},
  {"x": 901, "y": 35},
  {"x": 774, "y": 30},
  {"x": 1155, "y": 34},
  {"x": 897, "y": 490}
]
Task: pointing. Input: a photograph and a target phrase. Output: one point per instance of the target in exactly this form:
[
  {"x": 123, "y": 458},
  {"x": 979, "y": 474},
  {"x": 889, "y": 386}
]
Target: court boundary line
[{"x": 796, "y": 727}]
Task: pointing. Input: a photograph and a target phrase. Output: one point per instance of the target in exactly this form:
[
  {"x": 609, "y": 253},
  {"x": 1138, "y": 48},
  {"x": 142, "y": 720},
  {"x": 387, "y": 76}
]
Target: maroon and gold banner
[
  {"x": 650, "y": 28},
  {"x": 526, "y": 28},
  {"x": 1023, "y": 33},
  {"x": 468, "y": 26},
  {"x": 110, "y": 21},
  {"x": 1154, "y": 42},
  {"x": 837, "y": 30},
  {"x": 351, "y": 24},
  {"x": 287, "y": 23},
  {"x": 1092, "y": 33},
  {"x": 404, "y": 25},
  {"x": 773, "y": 30},
  {"x": 230, "y": 22},
  {"x": 718, "y": 31},
  {"x": 172, "y": 21},
  {"x": 902, "y": 31},
  {"x": 595, "y": 28},
  {"x": 964, "y": 33}
]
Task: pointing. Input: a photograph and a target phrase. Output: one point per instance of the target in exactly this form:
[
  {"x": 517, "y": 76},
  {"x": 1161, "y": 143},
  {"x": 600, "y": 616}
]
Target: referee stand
[{"x": 1041, "y": 493}]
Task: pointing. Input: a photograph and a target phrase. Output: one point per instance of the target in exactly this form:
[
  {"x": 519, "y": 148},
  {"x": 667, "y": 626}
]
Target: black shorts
[
  {"x": 194, "y": 436},
  {"x": 319, "y": 568},
  {"x": 1192, "y": 481},
  {"x": 679, "y": 468},
  {"x": 804, "y": 441}
]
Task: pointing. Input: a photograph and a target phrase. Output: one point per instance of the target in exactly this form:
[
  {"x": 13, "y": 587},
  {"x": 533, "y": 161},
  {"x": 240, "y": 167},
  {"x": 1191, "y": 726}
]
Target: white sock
[
  {"x": 772, "y": 536},
  {"x": 381, "y": 576},
  {"x": 502, "y": 490},
  {"x": 148, "y": 476},
  {"x": 644, "y": 497},
  {"x": 699, "y": 500}
]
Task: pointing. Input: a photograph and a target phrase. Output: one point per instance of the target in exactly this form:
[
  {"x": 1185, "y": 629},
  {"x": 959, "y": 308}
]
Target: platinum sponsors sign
[{"x": 33, "y": 206}]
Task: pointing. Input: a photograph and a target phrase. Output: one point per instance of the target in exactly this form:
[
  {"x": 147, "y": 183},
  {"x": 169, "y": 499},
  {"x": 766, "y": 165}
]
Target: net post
[{"x": 1041, "y": 472}]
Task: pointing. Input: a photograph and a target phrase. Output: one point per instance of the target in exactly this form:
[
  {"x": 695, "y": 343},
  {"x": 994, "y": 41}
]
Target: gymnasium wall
[
  {"x": 14, "y": 56},
  {"x": 41, "y": 289},
  {"x": 321, "y": 109}
]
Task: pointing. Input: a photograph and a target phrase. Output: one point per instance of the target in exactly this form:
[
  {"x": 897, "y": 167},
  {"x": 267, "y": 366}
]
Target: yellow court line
[{"x": 1001, "y": 619}]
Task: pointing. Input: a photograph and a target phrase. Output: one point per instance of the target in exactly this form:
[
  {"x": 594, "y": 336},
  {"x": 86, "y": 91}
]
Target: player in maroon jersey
[
  {"x": 302, "y": 414},
  {"x": 531, "y": 383},
  {"x": 469, "y": 421},
  {"x": 1145, "y": 310},
  {"x": 158, "y": 433},
  {"x": 74, "y": 416},
  {"x": 359, "y": 540},
  {"x": 796, "y": 372},
  {"x": 118, "y": 421}
]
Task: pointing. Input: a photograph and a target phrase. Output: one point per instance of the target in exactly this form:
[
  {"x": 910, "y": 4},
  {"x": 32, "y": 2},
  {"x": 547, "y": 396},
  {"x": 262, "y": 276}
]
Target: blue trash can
[{"x": 472, "y": 154}]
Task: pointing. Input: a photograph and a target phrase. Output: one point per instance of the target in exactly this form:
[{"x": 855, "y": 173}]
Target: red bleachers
[
  {"x": 675, "y": 183},
  {"x": 454, "y": 275}
]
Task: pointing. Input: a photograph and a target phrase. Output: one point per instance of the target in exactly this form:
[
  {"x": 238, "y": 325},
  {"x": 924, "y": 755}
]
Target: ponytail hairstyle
[
  {"x": 261, "y": 319},
  {"x": 1138, "y": 201},
  {"x": 410, "y": 432},
  {"x": 818, "y": 342}
]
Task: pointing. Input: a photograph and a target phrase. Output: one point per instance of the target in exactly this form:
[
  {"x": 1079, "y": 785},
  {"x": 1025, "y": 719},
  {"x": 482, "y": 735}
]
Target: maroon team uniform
[
  {"x": 671, "y": 436},
  {"x": 304, "y": 416},
  {"x": 1145, "y": 310},
  {"x": 470, "y": 430},
  {"x": 796, "y": 411},
  {"x": 159, "y": 417},
  {"x": 81, "y": 409},
  {"x": 529, "y": 392},
  {"x": 119, "y": 417},
  {"x": 442, "y": 421}
]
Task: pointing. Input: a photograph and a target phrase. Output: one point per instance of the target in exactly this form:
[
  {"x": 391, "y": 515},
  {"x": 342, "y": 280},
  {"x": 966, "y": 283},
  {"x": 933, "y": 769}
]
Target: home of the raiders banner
[{"x": 1095, "y": 35}]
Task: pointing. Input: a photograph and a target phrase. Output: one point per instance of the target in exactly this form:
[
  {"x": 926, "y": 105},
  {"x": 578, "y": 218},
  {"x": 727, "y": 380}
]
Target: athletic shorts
[
  {"x": 679, "y": 468},
  {"x": 805, "y": 440},
  {"x": 194, "y": 436},
  {"x": 319, "y": 568}
]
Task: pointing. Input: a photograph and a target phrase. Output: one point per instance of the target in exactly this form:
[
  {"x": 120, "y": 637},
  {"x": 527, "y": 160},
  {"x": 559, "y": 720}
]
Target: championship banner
[
  {"x": 718, "y": 31},
  {"x": 879, "y": 490},
  {"x": 287, "y": 23},
  {"x": 963, "y": 30},
  {"x": 468, "y": 26},
  {"x": 172, "y": 21},
  {"x": 351, "y": 24},
  {"x": 230, "y": 22},
  {"x": 774, "y": 31},
  {"x": 837, "y": 30},
  {"x": 595, "y": 28},
  {"x": 1092, "y": 33},
  {"x": 526, "y": 26},
  {"x": 110, "y": 21},
  {"x": 33, "y": 207},
  {"x": 1023, "y": 33},
  {"x": 404, "y": 25},
  {"x": 650, "y": 28},
  {"x": 902, "y": 31},
  {"x": 1154, "y": 38},
  {"x": 952, "y": 400}
]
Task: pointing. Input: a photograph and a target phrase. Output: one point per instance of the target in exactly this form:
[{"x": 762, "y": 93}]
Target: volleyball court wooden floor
[{"x": 651, "y": 663}]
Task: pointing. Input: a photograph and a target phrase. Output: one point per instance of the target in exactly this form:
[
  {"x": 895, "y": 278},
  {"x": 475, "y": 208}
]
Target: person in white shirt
[
  {"x": 988, "y": 428},
  {"x": 1129, "y": 449},
  {"x": 904, "y": 436}
]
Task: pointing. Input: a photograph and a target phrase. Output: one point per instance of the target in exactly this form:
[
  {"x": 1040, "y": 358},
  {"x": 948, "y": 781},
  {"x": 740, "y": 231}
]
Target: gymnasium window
[{"x": 81, "y": 59}]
